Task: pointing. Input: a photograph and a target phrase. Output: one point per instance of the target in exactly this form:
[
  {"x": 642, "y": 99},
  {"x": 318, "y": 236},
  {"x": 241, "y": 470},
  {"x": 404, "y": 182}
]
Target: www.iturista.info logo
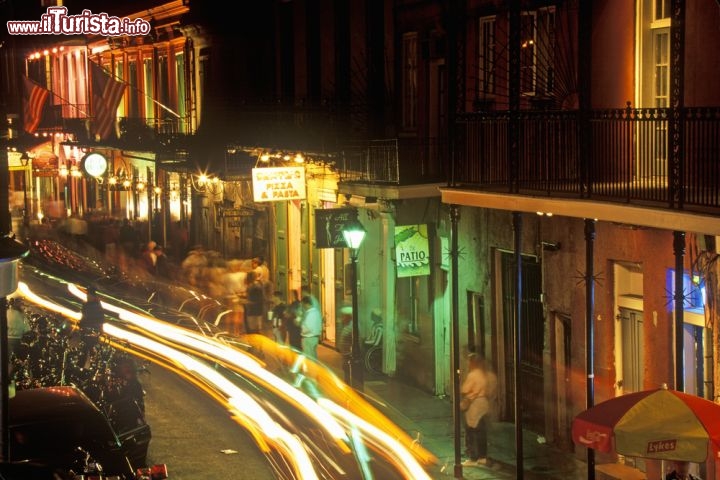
[{"x": 57, "y": 22}]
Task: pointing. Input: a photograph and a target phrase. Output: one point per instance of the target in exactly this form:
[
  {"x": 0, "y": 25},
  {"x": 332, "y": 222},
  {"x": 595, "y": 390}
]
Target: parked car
[{"x": 61, "y": 428}]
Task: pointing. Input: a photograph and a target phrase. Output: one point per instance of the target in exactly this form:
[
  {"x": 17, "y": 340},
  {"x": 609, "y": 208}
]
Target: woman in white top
[{"x": 480, "y": 388}]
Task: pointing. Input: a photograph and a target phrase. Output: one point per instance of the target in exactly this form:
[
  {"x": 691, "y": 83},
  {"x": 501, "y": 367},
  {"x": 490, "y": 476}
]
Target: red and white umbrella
[{"x": 661, "y": 424}]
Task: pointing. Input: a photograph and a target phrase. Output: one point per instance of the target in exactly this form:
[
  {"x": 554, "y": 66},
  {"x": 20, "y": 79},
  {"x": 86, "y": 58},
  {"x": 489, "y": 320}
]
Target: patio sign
[
  {"x": 412, "y": 250},
  {"x": 273, "y": 184}
]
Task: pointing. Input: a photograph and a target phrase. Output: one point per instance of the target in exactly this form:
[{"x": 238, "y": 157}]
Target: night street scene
[{"x": 359, "y": 239}]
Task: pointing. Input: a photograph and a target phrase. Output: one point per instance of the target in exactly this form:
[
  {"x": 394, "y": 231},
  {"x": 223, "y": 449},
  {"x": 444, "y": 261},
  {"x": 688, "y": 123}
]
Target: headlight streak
[
  {"x": 411, "y": 466},
  {"x": 25, "y": 291},
  {"x": 408, "y": 462},
  {"x": 342, "y": 394},
  {"x": 237, "y": 401},
  {"x": 242, "y": 404},
  {"x": 404, "y": 458},
  {"x": 240, "y": 360}
]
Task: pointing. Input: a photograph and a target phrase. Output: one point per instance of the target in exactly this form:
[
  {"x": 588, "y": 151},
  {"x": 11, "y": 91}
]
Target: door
[
  {"x": 693, "y": 349},
  {"x": 281, "y": 250},
  {"x": 532, "y": 337},
  {"x": 633, "y": 342},
  {"x": 563, "y": 374}
]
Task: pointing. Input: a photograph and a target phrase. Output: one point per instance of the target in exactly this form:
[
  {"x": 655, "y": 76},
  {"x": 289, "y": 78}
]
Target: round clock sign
[{"x": 94, "y": 164}]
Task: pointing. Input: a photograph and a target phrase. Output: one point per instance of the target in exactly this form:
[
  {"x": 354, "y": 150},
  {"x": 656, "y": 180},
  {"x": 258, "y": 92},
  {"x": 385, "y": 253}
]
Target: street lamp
[
  {"x": 354, "y": 234},
  {"x": 11, "y": 251},
  {"x": 24, "y": 160}
]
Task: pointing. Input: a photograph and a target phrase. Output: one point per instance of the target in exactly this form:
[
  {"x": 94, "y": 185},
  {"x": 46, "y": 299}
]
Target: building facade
[{"x": 538, "y": 180}]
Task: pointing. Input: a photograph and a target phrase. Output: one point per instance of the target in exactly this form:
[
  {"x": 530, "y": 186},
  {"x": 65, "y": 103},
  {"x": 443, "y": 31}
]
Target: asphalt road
[{"x": 190, "y": 431}]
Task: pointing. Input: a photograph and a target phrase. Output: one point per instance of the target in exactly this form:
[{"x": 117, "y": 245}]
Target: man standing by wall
[
  {"x": 310, "y": 326},
  {"x": 255, "y": 304}
]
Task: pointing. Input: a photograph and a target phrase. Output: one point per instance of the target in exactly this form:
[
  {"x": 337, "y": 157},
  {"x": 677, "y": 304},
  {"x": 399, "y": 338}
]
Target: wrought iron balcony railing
[
  {"x": 399, "y": 161},
  {"x": 628, "y": 156}
]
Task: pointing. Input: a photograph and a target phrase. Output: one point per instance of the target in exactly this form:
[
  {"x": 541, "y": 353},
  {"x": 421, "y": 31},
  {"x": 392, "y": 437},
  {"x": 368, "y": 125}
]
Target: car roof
[{"x": 36, "y": 405}]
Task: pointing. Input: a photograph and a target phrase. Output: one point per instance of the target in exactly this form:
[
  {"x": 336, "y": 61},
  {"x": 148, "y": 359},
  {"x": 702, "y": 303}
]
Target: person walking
[
  {"x": 293, "y": 317},
  {"x": 92, "y": 313},
  {"x": 162, "y": 265},
  {"x": 91, "y": 321},
  {"x": 255, "y": 304},
  {"x": 345, "y": 340},
  {"x": 479, "y": 390},
  {"x": 279, "y": 326},
  {"x": 310, "y": 326},
  {"x": 262, "y": 274}
]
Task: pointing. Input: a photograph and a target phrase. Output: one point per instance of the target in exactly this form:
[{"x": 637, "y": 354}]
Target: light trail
[
  {"x": 325, "y": 412},
  {"x": 241, "y": 404}
]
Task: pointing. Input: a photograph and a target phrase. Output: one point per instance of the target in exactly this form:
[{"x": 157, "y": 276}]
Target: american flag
[
  {"x": 106, "y": 95},
  {"x": 34, "y": 97}
]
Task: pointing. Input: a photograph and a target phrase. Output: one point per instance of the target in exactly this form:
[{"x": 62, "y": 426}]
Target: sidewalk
[{"x": 429, "y": 419}]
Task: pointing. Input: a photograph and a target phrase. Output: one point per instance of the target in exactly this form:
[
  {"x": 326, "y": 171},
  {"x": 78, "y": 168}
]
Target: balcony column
[
  {"x": 517, "y": 344},
  {"x": 590, "y": 329},
  {"x": 456, "y": 379},
  {"x": 679, "y": 300},
  {"x": 676, "y": 134}
]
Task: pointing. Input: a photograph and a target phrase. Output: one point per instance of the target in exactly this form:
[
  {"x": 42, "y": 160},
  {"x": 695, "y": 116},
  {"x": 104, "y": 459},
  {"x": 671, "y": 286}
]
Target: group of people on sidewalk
[{"x": 298, "y": 324}]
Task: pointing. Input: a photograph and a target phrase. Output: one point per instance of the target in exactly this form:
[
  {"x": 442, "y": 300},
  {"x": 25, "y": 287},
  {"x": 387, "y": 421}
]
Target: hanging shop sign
[
  {"x": 330, "y": 224},
  {"x": 273, "y": 184},
  {"x": 412, "y": 250}
]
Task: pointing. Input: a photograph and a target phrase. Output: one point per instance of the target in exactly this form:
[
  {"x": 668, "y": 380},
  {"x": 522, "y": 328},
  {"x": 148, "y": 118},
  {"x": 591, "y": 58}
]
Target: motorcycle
[{"x": 89, "y": 469}]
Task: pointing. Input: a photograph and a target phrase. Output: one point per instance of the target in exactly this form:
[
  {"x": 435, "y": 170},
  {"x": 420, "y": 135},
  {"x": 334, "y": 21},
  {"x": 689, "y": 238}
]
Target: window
[
  {"x": 409, "y": 80},
  {"x": 413, "y": 304},
  {"x": 180, "y": 83},
  {"x": 545, "y": 47},
  {"x": 203, "y": 64},
  {"x": 149, "y": 91},
  {"x": 661, "y": 66},
  {"x": 486, "y": 56},
  {"x": 133, "y": 105},
  {"x": 120, "y": 75},
  {"x": 163, "y": 91},
  {"x": 654, "y": 53},
  {"x": 537, "y": 47},
  {"x": 661, "y": 9},
  {"x": 653, "y": 64}
]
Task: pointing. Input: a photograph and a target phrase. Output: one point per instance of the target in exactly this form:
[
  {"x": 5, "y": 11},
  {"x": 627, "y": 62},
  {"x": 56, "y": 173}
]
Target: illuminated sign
[
  {"x": 330, "y": 224},
  {"x": 273, "y": 184},
  {"x": 412, "y": 250},
  {"x": 94, "y": 164}
]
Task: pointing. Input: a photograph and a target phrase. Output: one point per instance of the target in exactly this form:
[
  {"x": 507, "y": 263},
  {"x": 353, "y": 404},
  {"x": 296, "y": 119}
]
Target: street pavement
[
  {"x": 193, "y": 435},
  {"x": 429, "y": 419}
]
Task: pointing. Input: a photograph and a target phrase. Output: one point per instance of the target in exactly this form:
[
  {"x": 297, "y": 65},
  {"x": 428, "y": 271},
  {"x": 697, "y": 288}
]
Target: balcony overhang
[
  {"x": 604, "y": 211},
  {"x": 390, "y": 192}
]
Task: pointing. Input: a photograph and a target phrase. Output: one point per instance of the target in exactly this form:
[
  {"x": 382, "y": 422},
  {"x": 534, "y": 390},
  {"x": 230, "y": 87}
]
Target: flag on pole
[
  {"x": 106, "y": 95},
  {"x": 34, "y": 98}
]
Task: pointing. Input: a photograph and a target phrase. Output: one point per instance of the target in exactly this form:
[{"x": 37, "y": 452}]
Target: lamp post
[
  {"x": 24, "y": 160},
  {"x": 11, "y": 251},
  {"x": 354, "y": 234}
]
